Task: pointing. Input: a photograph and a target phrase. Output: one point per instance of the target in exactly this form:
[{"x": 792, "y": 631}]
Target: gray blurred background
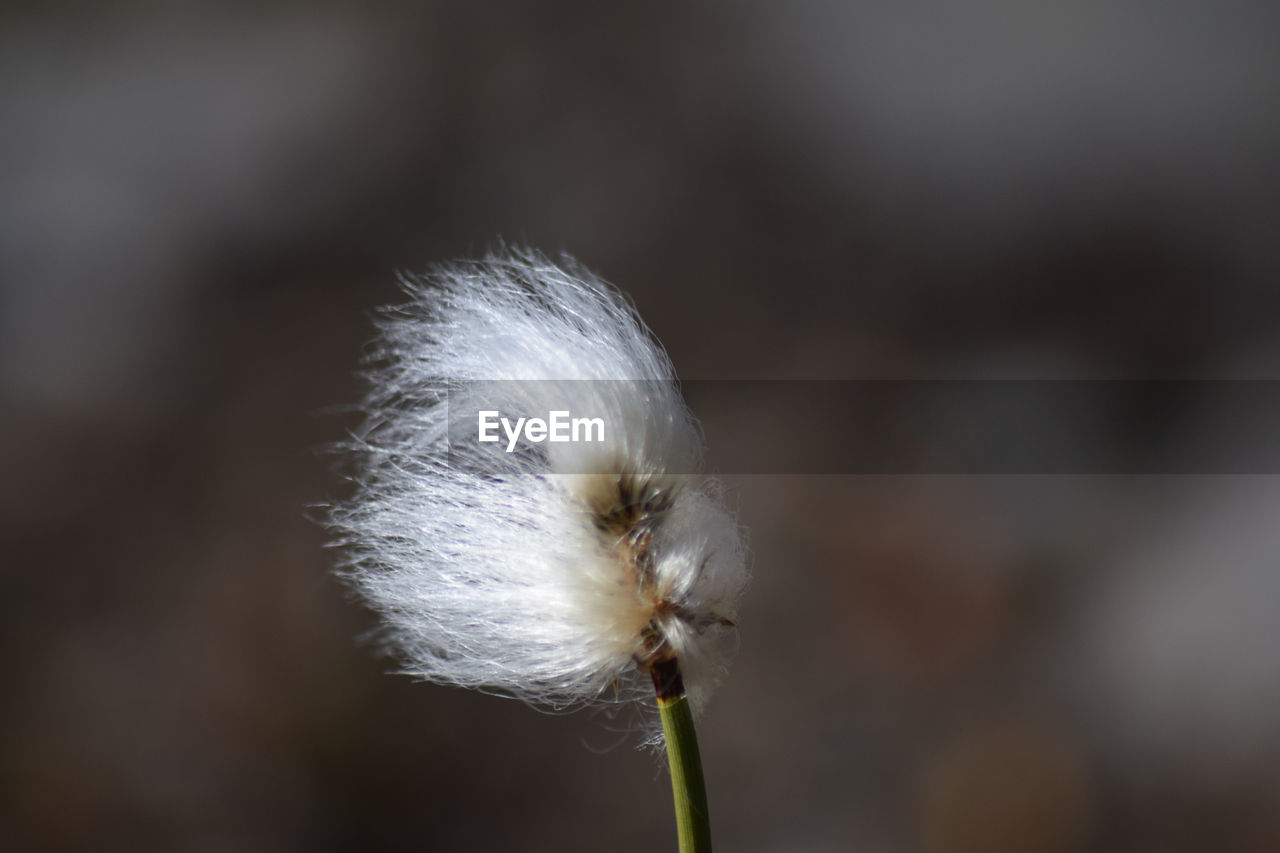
[{"x": 200, "y": 207}]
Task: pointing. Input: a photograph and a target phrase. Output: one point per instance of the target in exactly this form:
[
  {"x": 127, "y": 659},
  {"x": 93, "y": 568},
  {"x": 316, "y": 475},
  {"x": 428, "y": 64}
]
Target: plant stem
[{"x": 693, "y": 822}]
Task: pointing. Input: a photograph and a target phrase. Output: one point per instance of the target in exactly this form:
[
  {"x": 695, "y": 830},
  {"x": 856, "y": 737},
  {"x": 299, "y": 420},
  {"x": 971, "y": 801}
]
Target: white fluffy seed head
[{"x": 561, "y": 576}]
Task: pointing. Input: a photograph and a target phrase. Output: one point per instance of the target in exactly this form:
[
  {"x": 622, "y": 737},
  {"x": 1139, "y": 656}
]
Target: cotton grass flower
[{"x": 562, "y": 574}]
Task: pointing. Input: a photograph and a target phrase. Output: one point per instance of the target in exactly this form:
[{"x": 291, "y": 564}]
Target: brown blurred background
[{"x": 199, "y": 208}]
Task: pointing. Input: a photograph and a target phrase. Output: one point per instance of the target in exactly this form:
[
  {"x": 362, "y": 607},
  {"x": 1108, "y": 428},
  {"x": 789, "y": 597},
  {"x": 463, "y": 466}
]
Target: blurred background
[{"x": 200, "y": 206}]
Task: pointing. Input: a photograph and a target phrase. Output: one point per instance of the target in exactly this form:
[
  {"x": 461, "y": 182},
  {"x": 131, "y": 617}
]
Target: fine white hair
[{"x": 558, "y": 576}]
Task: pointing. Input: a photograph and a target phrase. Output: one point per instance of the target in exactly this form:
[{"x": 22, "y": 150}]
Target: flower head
[{"x": 561, "y": 573}]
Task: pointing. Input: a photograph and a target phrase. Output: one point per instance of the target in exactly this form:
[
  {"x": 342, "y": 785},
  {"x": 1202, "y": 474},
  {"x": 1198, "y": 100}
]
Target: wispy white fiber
[{"x": 557, "y": 576}]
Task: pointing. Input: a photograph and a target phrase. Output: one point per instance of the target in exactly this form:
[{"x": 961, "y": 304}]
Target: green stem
[{"x": 693, "y": 823}]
